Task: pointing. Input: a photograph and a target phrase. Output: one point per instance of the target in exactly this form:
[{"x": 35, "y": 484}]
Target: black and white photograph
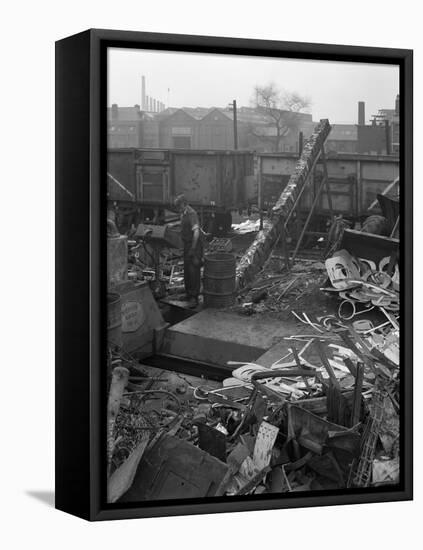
[
  {"x": 253, "y": 276},
  {"x": 211, "y": 228}
]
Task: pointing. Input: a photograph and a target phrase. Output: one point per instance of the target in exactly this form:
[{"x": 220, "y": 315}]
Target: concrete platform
[
  {"x": 215, "y": 337},
  {"x": 181, "y": 304}
]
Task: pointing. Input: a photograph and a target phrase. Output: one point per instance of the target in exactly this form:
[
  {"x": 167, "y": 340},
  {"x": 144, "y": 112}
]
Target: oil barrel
[
  {"x": 219, "y": 280},
  {"x": 114, "y": 319}
]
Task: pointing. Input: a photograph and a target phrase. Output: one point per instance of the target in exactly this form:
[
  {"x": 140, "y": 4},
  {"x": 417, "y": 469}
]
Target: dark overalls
[{"x": 192, "y": 258}]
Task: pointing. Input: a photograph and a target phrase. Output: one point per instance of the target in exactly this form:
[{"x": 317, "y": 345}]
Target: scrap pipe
[{"x": 283, "y": 373}]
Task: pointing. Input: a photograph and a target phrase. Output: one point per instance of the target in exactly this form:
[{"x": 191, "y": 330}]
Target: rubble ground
[{"x": 319, "y": 410}]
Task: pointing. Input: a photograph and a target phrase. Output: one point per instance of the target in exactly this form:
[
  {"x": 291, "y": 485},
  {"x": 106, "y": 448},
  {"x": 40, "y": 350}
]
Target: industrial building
[
  {"x": 214, "y": 128},
  {"x": 202, "y": 128}
]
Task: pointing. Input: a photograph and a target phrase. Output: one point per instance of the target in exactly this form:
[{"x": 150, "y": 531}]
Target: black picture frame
[{"x": 81, "y": 281}]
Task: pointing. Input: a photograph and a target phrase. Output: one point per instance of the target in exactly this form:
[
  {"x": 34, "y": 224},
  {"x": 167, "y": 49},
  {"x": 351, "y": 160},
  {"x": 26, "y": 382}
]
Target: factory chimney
[
  {"x": 143, "y": 92},
  {"x": 397, "y": 105},
  {"x": 361, "y": 113}
]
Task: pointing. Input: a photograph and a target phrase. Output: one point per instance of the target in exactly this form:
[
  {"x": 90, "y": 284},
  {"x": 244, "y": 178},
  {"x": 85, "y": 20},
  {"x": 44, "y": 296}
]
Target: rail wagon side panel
[
  {"x": 375, "y": 176},
  {"x": 343, "y": 194},
  {"x": 196, "y": 177},
  {"x": 120, "y": 165},
  {"x": 236, "y": 171},
  {"x": 275, "y": 174},
  {"x": 343, "y": 184},
  {"x": 354, "y": 181}
]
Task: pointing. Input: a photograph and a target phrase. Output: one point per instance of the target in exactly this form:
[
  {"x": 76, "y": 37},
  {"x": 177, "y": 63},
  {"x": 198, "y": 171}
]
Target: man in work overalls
[{"x": 193, "y": 249}]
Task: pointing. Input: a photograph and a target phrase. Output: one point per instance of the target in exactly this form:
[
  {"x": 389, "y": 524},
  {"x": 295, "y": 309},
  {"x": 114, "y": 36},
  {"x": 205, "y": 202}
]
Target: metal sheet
[{"x": 174, "y": 468}]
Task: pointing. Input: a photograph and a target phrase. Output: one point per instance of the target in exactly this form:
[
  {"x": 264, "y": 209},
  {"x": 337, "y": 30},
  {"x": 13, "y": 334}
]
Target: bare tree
[{"x": 280, "y": 110}]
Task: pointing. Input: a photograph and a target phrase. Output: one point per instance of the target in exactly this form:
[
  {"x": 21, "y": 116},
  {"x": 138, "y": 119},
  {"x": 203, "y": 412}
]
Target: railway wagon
[
  {"x": 355, "y": 181},
  {"x": 143, "y": 183}
]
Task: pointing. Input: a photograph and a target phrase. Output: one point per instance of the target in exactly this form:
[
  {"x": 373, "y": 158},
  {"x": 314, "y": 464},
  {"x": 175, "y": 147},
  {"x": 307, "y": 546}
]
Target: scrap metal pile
[
  {"x": 363, "y": 285},
  {"x": 322, "y": 417},
  {"x": 277, "y": 290}
]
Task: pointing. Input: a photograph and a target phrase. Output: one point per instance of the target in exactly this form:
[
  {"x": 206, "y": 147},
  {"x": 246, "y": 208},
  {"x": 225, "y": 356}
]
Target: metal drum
[
  {"x": 114, "y": 319},
  {"x": 219, "y": 280}
]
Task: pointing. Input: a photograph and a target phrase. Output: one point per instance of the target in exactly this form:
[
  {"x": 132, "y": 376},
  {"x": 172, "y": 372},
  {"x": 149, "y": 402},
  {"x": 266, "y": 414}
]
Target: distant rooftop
[
  {"x": 247, "y": 115},
  {"x": 344, "y": 132},
  {"x": 123, "y": 113}
]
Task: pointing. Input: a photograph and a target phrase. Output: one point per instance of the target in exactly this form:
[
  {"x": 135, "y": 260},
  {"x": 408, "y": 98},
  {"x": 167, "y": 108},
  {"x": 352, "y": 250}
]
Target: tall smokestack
[
  {"x": 388, "y": 137},
  {"x": 143, "y": 92},
  {"x": 361, "y": 113},
  {"x": 397, "y": 105}
]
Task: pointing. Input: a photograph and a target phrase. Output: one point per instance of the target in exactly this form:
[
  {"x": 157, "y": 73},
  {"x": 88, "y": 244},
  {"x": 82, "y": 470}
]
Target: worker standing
[{"x": 193, "y": 249}]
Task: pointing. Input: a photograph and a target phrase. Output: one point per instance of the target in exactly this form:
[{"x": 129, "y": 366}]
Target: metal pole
[
  {"x": 235, "y": 126},
  {"x": 387, "y": 137},
  {"x": 260, "y": 197},
  {"x": 326, "y": 177},
  {"x": 143, "y": 92}
]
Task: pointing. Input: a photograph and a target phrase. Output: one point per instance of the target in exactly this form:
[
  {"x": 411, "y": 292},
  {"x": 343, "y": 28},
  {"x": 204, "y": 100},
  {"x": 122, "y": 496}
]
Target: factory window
[
  {"x": 181, "y": 131},
  {"x": 152, "y": 186},
  {"x": 182, "y": 142}
]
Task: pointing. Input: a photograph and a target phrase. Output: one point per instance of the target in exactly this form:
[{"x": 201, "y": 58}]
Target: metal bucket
[
  {"x": 219, "y": 280},
  {"x": 114, "y": 319}
]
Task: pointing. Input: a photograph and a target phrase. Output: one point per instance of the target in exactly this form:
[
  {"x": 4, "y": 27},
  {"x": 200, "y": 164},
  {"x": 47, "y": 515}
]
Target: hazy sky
[{"x": 206, "y": 80}]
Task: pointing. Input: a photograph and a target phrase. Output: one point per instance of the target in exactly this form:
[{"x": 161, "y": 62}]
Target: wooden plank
[
  {"x": 298, "y": 362},
  {"x": 358, "y": 388},
  {"x": 122, "y": 478},
  {"x": 327, "y": 365},
  {"x": 384, "y": 192}
]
